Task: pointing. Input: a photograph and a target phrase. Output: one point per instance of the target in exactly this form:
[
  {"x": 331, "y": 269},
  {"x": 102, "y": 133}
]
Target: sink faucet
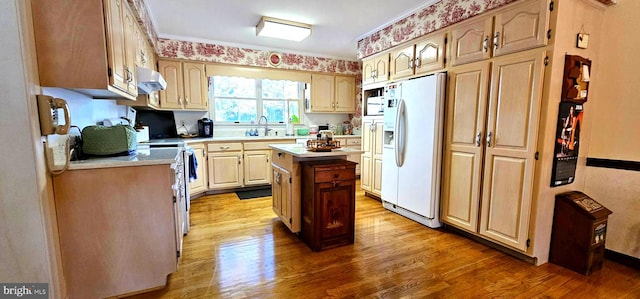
[{"x": 266, "y": 124}]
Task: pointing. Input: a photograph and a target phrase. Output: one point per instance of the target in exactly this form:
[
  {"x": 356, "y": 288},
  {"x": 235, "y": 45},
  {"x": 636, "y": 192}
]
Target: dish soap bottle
[{"x": 289, "y": 128}]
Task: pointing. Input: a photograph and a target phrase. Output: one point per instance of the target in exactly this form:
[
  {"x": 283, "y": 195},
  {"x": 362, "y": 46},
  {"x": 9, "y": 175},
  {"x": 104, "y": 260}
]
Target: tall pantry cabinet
[{"x": 493, "y": 112}]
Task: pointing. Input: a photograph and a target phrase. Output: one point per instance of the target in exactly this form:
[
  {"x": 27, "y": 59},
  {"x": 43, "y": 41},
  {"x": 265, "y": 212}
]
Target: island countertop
[{"x": 300, "y": 151}]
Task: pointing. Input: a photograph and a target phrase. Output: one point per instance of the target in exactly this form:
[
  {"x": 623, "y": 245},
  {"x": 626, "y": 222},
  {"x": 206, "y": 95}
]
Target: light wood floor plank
[{"x": 239, "y": 249}]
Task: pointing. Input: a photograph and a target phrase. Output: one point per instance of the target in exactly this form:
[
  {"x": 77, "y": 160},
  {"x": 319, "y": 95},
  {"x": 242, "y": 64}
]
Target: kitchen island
[
  {"x": 287, "y": 178},
  {"x": 120, "y": 222}
]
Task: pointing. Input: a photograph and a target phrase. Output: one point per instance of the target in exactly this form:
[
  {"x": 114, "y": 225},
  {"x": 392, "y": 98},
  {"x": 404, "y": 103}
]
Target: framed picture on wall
[{"x": 567, "y": 143}]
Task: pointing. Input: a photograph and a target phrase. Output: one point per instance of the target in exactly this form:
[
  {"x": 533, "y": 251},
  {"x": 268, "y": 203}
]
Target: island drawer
[
  {"x": 341, "y": 173},
  {"x": 353, "y": 141},
  {"x": 224, "y": 147},
  {"x": 282, "y": 159}
]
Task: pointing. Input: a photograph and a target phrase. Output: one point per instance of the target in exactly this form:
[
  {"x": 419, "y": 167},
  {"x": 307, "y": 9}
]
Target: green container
[
  {"x": 302, "y": 131},
  {"x": 107, "y": 141}
]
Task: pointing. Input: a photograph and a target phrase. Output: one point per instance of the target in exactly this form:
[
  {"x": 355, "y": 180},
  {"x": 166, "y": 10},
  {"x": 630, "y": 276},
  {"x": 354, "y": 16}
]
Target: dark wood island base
[{"x": 328, "y": 203}]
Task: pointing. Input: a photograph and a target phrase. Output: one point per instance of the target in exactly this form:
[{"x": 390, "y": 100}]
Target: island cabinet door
[{"x": 281, "y": 195}]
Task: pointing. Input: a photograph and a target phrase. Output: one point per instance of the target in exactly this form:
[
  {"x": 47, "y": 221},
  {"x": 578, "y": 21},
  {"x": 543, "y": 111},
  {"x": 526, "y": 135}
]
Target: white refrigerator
[{"x": 412, "y": 148}]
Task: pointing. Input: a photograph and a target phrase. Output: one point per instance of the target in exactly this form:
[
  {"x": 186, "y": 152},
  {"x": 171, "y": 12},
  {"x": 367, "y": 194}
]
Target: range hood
[{"x": 149, "y": 80}]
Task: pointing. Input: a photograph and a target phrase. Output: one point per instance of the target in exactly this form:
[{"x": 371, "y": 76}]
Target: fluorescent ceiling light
[{"x": 283, "y": 29}]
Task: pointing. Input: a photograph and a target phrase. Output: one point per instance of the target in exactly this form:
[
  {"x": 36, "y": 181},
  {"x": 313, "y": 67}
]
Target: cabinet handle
[
  {"x": 224, "y": 147},
  {"x": 374, "y": 74},
  {"x": 478, "y": 138},
  {"x": 372, "y": 127},
  {"x": 485, "y": 44},
  {"x": 130, "y": 76},
  {"x": 495, "y": 41},
  {"x": 180, "y": 100},
  {"x": 267, "y": 159},
  {"x": 186, "y": 99},
  {"x": 411, "y": 64},
  {"x": 417, "y": 62},
  {"x": 239, "y": 160},
  {"x": 489, "y": 139}
]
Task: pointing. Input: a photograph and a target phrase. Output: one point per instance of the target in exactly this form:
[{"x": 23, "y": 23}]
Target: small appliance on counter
[
  {"x": 118, "y": 140},
  {"x": 205, "y": 127}
]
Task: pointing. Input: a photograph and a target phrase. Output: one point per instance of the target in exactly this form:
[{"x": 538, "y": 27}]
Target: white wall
[
  {"x": 615, "y": 133},
  {"x": 28, "y": 251},
  {"x": 84, "y": 110}
]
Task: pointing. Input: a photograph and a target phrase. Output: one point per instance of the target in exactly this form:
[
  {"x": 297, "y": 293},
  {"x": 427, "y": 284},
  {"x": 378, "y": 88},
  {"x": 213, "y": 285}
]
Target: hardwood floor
[{"x": 239, "y": 249}]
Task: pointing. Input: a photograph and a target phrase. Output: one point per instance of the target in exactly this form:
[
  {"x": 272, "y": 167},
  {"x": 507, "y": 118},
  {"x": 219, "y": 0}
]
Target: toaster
[{"x": 108, "y": 141}]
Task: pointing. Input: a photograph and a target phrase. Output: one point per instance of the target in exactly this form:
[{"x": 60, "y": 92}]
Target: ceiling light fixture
[{"x": 283, "y": 29}]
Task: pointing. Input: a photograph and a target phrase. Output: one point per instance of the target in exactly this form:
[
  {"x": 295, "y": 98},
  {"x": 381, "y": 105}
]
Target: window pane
[
  {"x": 234, "y": 87},
  {"x": 232, "y": 110},
  {"x": 279, "y": 89},
  {"x": 274, "y": 110},
  {"x": 294, "y": 110}
]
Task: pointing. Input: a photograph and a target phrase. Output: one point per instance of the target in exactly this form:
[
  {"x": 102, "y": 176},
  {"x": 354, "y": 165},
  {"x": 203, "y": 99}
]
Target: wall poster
[{"x": 565, "y": 158}]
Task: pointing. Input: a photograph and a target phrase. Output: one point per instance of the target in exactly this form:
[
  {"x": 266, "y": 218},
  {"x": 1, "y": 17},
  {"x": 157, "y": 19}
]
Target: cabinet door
[
  {"x": 200, "y": 184},
  {"x": 376, "y": 166},
  {"x": 335, "y": 209},
  {"x": 402, "y": 63},
  {"x": 522, "y": 27},
  {"x": 130, "y": 42},
  {"x": 345, "y": 94},
  {"x": 382, "y": 68},
  {"x": 257, "y": 167},
  {"x": 225, "y": 170},
  {"x": 322, "y": 93},
  {"x": 513, "y": 115},
  {"x": 195, "y": 86},
  {"x": 115, "y": 43},
  {"x": 367, "y": 156},
  {"x": 171, "y": 97},
  {"x": 368, "y": 71},
  {"x": 462, "y": 167},
  {"x": 276, "y": 191},
  {"x": 471, "y": 42},
  {"x": 430, "y": 54}
]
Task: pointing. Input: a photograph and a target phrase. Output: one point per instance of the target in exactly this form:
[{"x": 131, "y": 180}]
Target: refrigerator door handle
[{"x": 399, "y": 132}]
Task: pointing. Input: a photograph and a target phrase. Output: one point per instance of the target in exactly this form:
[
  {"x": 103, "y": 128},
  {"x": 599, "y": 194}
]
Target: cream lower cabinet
[
  {"x": 490, "y": 146},
  {"x": 285, "y": 204},
  {"x": 371, "y": 160},
  {"x": 225, "y": 165},
  {"x": 200, "y": 184},
  {"x": 257, "y": 167}
]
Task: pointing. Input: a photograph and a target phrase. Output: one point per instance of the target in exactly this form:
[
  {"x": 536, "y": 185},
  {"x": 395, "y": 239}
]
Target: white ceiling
[{"x": 337, "y": 24}]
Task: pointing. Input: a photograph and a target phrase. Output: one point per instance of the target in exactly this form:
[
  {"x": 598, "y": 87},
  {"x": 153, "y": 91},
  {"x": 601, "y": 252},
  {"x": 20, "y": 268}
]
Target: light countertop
[
  {"x": 142, "y": 157},
  {"x": 179, "y": 141},
  {"x": 300, "y": 151}
]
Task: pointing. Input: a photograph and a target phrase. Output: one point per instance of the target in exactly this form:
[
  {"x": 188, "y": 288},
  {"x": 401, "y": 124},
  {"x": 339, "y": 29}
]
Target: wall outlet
[{"x": 182, "y": 122}]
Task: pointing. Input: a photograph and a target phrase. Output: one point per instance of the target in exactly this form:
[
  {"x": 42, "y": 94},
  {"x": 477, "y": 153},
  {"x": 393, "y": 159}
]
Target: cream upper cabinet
[
  {"x": 322, "y": 93},
  {"x": 186, "y": 85},
  {"x": 520, "y": 27},
  {"x": 257, "y": 167},
  {"x": 371, "y": 159},
  {"x": 94, "y": 61},
  {"x": 331, "y": 93},
  {"x": 131, "y": 43},
  {"x": 424, "y": 56},
  {"x": 489, "y": 161},
  {"x": 375, "y": 69},
  {"x": 471, "y": 42},
  {"x": 200, "y": 184},
  {"x": 345, "y": 98}
]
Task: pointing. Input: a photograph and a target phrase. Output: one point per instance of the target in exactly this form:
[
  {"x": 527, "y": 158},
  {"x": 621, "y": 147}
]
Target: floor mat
[{"x": 254, "y": 193}]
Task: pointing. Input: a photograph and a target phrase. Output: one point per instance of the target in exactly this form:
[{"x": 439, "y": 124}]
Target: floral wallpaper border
[
  {"x": 434, "y": 17},
  {"x": 168, "y": 48}
]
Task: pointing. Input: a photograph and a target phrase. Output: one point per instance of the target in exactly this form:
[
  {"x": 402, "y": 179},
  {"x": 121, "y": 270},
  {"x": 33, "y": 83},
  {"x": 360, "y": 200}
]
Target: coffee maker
[{"x": 205, "y": 127}]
